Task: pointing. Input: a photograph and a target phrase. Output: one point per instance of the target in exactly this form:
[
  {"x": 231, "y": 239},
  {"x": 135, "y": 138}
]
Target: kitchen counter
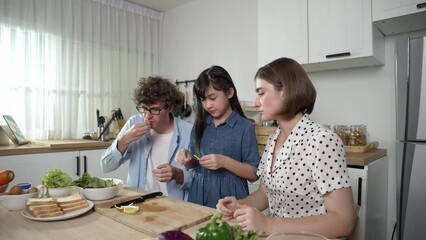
[
  {"x": 53, "y": 146},
  {"x": 356, "y": 159},
  {"x": 360, "y": 159},
  {"x": 352, "y": 158}
]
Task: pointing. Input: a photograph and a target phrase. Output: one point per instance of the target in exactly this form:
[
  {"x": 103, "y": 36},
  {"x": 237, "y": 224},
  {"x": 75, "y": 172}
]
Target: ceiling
[{"x": 160, "y": 5}]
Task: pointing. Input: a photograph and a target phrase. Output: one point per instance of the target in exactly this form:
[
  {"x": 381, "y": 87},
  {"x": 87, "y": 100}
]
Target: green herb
[
  {"x": 87, "y": 181},
  {"x": 240, "y": 234},
  {"x": 56, "y": 178}
]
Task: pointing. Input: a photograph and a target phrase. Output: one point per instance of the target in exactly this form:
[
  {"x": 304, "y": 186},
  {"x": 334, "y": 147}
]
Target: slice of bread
[
  {"x": 45, "y": 211},
  {"x": 71, "y": 203},
  {"x": 74, "y": 207},
  {"x": 73, "y": 198},
  {"x": 49, "y": 215},
  {"x": 52, "y": 207},
  {"x": 39, "y": 201},
  {"x": 42, "y": 207}
]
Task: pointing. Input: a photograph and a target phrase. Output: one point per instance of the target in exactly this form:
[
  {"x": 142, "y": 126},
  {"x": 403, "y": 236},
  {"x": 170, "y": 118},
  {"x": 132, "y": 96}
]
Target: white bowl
[
  {"x": 102, "y": 193},
  {"x": 3, "y": 188},
  {"x": 59, "y": 192},
  {"x": 15, "y": 202}
]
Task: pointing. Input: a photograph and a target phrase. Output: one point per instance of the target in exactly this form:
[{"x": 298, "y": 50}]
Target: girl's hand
[
  {"x": 227, "y": 207},
  {"x": 163, "y": 173},
  {"x": 213, "y": 161},
  {"x": 183, "y": 157},
  {"x": 250, "y": 218}
]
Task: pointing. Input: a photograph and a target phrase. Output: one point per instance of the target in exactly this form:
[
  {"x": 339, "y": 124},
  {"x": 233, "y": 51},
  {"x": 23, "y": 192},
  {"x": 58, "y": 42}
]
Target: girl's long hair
[{"x": 220, "y": 80}]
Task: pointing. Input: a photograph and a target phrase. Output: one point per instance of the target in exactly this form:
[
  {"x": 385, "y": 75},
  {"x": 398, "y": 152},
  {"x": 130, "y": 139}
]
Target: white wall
[
  {"x": 212, "y": 32},
  {"x": 206, "y": 32}
]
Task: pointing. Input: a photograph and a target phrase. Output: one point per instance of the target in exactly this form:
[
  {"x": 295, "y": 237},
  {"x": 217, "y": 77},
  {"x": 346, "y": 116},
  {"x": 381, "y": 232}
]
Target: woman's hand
[
  {"x": 250, "y": 218},
  {"x": 227, "y": 207},
  {"x": 213, "y": 161}
]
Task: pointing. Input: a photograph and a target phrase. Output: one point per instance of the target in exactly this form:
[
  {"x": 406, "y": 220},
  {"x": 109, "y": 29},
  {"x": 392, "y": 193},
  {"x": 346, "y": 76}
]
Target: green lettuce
[
  {"x": 87, "y": 181},
  {"x": 56, "y": 178}
]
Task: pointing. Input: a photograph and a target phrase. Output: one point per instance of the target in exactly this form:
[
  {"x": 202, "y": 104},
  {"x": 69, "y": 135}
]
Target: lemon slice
[{"x": 130, "y": 209}]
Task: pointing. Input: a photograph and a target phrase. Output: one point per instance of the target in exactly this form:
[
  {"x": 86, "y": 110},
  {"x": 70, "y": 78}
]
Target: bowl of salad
[
  {"x": 56, "y": 183},
  {"x": 94, "y": 188}
]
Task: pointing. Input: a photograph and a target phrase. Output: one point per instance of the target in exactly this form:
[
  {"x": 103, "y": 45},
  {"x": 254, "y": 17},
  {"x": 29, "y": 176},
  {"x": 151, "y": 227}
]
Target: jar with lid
[
  {"x": 358, "y": 135},
  {"x": 343, "y": 132}
]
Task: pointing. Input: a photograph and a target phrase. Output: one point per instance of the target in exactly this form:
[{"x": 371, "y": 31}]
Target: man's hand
[
  {"x": 164, "y": 172},
  {"x": 133, "y": 134}
]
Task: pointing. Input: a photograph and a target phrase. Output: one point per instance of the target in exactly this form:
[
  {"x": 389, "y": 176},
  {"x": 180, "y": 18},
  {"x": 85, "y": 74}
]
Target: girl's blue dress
[{"x": 235, "y": 138}]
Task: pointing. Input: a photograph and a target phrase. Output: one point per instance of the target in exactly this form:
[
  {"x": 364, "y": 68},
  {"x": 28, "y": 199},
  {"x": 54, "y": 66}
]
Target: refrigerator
[{"x": 410, "y": 65}]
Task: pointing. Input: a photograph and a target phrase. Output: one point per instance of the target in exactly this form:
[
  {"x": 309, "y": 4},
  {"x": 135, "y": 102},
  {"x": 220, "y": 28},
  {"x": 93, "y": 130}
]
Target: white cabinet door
[
  {"x": 385, "y": 9},
  {"x": 91, "y": 164},
  {"x": 319, "y": 34},
  {"x": 358, "y": 178},
  {"x": 339, "y": 29},
  {"x": 283, "y": 30},
  {"x": 31, "y": 167},
  {"x": 399, "y": 16},
  {"x": 369, "y": 189}
]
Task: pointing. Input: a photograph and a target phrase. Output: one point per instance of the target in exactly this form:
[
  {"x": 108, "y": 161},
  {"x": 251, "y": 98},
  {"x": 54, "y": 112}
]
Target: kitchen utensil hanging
[
  {"x": 183, "y": 110},
  {"x": 187, "y": 110}
]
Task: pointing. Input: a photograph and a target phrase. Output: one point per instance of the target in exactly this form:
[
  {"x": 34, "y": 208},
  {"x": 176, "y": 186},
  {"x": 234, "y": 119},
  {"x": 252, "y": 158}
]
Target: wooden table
[{"x": 91, "y": 225}]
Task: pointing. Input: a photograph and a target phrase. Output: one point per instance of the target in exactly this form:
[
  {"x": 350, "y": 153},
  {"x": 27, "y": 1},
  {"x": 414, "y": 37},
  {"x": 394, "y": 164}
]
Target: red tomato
[{"x": 6, "y": 176}]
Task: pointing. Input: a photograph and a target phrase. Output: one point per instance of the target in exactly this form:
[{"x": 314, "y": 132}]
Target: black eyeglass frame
[{"x": 153, "y": 111}]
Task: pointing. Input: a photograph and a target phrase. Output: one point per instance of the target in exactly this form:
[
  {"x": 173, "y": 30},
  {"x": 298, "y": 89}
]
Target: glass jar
[
  {"x": 358, "y": 135},
  {"x": 343, "y": 132}
]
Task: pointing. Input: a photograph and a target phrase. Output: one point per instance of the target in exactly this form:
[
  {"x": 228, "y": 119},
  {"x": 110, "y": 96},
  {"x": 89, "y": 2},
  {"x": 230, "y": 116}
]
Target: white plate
[{"x": 69, "y": 215}]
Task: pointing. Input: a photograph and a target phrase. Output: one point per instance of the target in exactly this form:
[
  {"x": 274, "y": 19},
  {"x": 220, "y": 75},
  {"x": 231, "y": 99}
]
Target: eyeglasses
[{"x": 153, "y": 111}]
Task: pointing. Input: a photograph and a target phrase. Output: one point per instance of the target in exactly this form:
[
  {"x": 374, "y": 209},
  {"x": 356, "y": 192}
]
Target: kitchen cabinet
[
  {"x": 91, "y": 164},
  {"x": 31, "y": 167},
  {"x": 282, "y": 26},
  {"x": 319, "y": 34},
  {"x": 369, "y": 189},
  {"x": 399, "y": 16}
]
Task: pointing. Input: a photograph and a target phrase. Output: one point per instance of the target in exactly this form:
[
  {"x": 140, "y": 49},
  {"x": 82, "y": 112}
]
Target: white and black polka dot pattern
[{"x": 311, "y": 163}]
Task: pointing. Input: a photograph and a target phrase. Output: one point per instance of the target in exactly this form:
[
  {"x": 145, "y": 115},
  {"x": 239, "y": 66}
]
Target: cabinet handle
[
  {"x": 344, "y": 54},
  {"x": 421, "y": 5},
  {"x": 359, "y": 191},
  {"x": 78, "y": 166},
  {"x": 85, "y": 163}
]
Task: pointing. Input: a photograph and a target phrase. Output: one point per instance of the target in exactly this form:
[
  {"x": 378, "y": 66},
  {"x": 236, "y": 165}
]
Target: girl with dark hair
[
  {"x": 224, "y": 139},
  {"x": 303, "y": 177}
]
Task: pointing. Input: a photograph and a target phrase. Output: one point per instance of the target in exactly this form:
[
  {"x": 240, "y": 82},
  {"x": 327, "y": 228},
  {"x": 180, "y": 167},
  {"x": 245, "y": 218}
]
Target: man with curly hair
[{"x": 150, "y": 140}]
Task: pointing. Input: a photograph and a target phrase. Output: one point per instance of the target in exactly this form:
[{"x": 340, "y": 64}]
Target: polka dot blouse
[{"x": 310, "y": 163}]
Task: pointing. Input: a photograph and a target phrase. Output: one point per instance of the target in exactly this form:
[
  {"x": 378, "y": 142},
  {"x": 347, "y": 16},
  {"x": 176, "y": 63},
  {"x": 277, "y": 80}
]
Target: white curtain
[{"x": 60, "y": 60}]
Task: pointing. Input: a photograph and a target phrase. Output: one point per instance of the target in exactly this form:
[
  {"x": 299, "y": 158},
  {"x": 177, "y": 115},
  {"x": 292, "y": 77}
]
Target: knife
[
  {"x": 97, "y": 117},
  {"x": 120, "y": 115},
  {"x": 139, "y": 199}
]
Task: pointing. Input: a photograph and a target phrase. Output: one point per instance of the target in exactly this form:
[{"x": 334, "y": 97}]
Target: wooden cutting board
[{"x": 157, "y": 215}]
